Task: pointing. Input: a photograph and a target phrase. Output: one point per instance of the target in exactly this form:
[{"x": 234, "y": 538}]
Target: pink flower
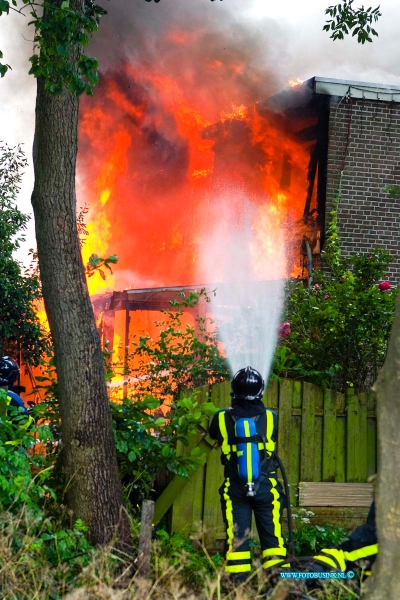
[
  {"x": 284, "y": 329},
  {"x": 326, "y": 297},
  {"x": 384, "y": 285},
  {"x": 316, "y": 286}
]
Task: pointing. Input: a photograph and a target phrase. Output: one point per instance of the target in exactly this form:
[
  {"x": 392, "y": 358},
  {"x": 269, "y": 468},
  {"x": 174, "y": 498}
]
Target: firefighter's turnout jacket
[
  {"x": 359, "y": 551},
  {"x": 237, "y": 506}
]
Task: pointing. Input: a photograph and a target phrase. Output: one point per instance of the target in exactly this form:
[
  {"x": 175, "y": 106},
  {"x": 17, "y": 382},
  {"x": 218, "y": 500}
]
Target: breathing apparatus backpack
[{"x": 250, "y": 459}]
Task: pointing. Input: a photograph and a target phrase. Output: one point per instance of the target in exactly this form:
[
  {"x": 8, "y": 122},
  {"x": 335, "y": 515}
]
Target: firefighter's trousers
[
  {"x": 237, "y": 511},
  {"x": 359, "y": 551}
]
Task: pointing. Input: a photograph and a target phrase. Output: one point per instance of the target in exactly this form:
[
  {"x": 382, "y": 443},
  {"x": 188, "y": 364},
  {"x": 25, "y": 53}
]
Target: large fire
[{"x": 155, "y": 161}]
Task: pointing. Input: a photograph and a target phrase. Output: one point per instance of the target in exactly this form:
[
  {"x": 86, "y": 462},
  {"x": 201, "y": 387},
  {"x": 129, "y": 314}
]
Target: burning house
[{"x": 271, "y": 169}]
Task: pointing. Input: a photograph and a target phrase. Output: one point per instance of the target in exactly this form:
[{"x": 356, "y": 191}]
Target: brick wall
[{"x": 367, "y": 216}]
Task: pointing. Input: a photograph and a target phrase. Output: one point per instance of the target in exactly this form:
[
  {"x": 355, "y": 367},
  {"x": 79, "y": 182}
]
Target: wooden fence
[{"x": 323, "y": 436}]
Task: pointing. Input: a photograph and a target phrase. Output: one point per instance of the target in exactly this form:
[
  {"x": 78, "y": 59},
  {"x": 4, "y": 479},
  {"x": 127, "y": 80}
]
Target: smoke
[
  {"x": 204, "y": 45},
  {"x": 17, "y": 106},
  {"x": 311, "y": 52}
]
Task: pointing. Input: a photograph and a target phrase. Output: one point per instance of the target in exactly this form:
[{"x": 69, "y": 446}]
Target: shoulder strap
[
  {"x": 236, "y": 417},
  {"x": 259, "y": 437},
  {"x": 225, "y": 446},
  {"x": 270, "y": 431}
]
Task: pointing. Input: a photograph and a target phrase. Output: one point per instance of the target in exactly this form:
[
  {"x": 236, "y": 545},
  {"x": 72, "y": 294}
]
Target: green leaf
[
  {"x": 4, "y": 7},
  {"x": 79, "y": 525},
  {"x": 151, "y": 402},
  {"x": 94, "y": 260},
  {"x": 122, "y": 446},
  {"x": 166, "y": 451},
  {"x": 4, "y": 69},
  {"x": 62, "y": 51}
]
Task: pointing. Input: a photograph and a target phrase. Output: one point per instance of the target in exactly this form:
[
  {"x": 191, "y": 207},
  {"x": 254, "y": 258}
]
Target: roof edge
[{"x": 354, "y": 89}]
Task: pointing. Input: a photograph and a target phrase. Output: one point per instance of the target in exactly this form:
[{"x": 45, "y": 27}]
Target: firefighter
[
  {"x": 9, "y": 372},
  {"x": 242, "y": 491},
  {"x": 359, "y": 551}
]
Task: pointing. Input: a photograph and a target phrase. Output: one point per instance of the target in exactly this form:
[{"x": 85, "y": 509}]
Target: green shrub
[
  {"x": 19, "y": 289},
  {"x": 182, "y": 356},
  {"x": 310, "y": 539},
  {"x": 157, "y": 424},
  {"x": 19, "y": 486},
  {"x": 148, "y": 442},
  {"x": 339, "y": 328},
  {"x": 193, "y": 563},
  {"x": 33, "y": 538},
  {"x": 147, "y": 439}
]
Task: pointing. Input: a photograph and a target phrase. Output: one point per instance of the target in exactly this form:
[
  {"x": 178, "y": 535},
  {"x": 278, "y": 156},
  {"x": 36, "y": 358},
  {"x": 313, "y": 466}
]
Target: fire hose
[{"x": 288, "y": 508}]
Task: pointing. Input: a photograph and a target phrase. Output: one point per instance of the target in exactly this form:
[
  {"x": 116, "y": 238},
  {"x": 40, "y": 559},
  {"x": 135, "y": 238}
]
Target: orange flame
[
  {"x": 154, "y": 167},
  {"x": 296, "y": 82},
  {"x": 238, "y": 112}
]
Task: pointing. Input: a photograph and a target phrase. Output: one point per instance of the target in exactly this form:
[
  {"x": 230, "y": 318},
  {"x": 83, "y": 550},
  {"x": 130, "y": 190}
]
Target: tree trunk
[
  {"x": 94, "y": 491},
  {"x": 385, "y": 580}
]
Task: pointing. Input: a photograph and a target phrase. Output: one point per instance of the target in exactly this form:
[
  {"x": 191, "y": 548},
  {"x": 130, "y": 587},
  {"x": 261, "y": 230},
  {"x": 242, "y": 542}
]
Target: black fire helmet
[
  {"x": 247, "y": 384},
  {"x": 8, "y": 370}
]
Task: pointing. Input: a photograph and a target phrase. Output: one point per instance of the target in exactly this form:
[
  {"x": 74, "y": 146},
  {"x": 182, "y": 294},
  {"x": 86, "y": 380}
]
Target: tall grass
[{"x": 36, "y": 564}]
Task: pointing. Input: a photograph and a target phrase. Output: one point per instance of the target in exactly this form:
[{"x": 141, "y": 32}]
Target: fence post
[{"x": 146, "y": 521}]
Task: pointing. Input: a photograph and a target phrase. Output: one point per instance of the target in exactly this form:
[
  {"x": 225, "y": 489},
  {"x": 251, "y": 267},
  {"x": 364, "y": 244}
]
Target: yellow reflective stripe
[
  {"x": 237, "y": 568},
  {"x": 225, "y": 448},
  {"x": 229, "y": 516},
  {"x": 270, "y": 444},
  {"x": 328, "y": 561},
  {"x": 8, "y": 400},
  {"x": 276, "y": 513},
  {"x": 249, "y": 465},
  {"x": 274, "y": 552},
  {"x": 238, "y": 555},
  {"x": 27, "y": 424},
  {"x": 271, "y": 563},
  {"x": 361, "y": 552},
  {"x": 338, "y": 555}
]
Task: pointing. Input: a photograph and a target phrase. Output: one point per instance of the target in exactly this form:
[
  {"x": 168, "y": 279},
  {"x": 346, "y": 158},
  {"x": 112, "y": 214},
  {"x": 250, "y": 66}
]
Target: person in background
[
  {"x": 358, "y": 552},
  {"x": 247, "y": 434},
  {"x": 9, "y": 372}
]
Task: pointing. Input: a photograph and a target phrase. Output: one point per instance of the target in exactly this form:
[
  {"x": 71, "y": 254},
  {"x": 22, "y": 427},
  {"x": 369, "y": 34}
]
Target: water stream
[{"x": 245, "y": 257}]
